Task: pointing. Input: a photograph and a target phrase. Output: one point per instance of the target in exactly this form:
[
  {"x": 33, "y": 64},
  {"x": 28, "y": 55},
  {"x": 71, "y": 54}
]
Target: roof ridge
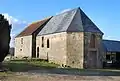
[
  {"x": 41, "y": 20},
  {"x": 111, "y": 45},
  {"x": 22, "y": 30},
  {"x": 94, "y": 25},
  {"x": 81, "y": 19},
  {"x": 67, "y": 11},
  {"x": 28, "y": 27},
  {"x": 72, "y": 19},
  {"x": 111, "y": 40}
]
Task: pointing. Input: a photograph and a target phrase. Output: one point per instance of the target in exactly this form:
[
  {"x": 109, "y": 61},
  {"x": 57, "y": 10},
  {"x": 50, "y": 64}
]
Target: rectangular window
[
  {"x": 108, "y": 57},
  {"x": 92, "y": 41},
  {"x": 108, "y": 53},
  {"x": 21, "y": 40},
  {"x": 42, "y": 41},
  {"x": 113, "y": 53},
  {"x": 48, "y": 43},
  {"x": 37, "y": 52}
]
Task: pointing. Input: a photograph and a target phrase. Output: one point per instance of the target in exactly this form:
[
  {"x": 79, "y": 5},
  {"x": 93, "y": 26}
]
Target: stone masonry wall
[
  {"x": 75, "y": 49},
  {"x": 25, "y": 49},
  {"x": 98, "y": 49},
  {"x": 57, "y": 51},
  {"x": 71, "y": 49}
]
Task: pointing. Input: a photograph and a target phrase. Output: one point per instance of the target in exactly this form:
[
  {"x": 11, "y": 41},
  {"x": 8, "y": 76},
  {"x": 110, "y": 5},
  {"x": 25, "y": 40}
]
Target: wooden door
[{"x": 92, "y": 59}]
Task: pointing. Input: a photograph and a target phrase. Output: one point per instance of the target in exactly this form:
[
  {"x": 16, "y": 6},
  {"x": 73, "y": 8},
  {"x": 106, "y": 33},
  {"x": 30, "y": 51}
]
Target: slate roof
[
  {"x": 74, "y": 20},
  {"x": 32, "y": 27},
  {"x": 111, "y": 45}
]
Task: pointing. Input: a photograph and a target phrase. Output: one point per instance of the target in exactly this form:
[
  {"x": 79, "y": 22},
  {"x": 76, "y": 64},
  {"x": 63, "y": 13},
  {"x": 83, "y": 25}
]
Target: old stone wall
[
  {"x": 75, "y": 49},
  {"x": 72, "y": 49},
  {"x": 57, "y": 47},
  {"x": 93, "y": 57},
  {"x": 25, "y": 48}
]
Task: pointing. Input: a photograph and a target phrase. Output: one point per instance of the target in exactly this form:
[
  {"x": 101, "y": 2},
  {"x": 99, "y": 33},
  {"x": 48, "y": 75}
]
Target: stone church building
[{"x": 69, "y": 38}]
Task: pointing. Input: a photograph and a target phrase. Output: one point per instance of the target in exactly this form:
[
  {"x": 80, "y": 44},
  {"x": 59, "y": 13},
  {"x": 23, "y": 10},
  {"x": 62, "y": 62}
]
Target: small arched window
[
  {"x": 48, "y": 44},
  {"x": 92, "y": 41}
]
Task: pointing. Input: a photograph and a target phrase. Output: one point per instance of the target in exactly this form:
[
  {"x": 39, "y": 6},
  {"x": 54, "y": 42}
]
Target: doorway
[
  {"x": 117, "y": 56},
  {"x": 37, "y": 52},
  {"x": 92, "y": 59}
]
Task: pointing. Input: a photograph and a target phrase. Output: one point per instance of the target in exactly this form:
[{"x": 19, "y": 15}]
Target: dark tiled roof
[
  {"x": 111, "y": 45},
  {"x": 74, "y": 20},
  {"x": 32, "y": 27}
]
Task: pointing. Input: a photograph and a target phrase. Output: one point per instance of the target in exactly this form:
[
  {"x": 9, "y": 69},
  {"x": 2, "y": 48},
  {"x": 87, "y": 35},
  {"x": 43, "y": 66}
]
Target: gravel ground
[
  {"x": 29, "y": 76},
  {"x": 61, "y": 75},
  {"x": 56, "y": 77}
]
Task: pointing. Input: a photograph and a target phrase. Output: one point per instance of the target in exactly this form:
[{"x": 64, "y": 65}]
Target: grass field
[
  {"x": 16, "y": 67},
  {"x": 25, "y": 65}
]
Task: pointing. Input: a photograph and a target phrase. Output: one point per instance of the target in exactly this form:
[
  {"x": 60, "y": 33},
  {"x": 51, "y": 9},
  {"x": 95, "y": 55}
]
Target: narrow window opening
[
  {"x": 92, "y": 41},
  {"x": 42, "y": 41},
  {"x": 48, "y": 43},
  {"x": 21, "y": 40},
  {"x": 37, "y": 52}
]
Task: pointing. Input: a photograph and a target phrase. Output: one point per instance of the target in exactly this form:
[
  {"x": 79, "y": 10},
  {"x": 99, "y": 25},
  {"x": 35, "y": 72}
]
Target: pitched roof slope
[
  {"x": 111, "y": 45},
  {"x": 74, "y": 20},
  {"x": 32, "y": 27}
]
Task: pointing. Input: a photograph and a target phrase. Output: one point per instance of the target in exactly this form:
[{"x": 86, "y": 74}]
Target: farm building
[{"x": 69, "y": 39}]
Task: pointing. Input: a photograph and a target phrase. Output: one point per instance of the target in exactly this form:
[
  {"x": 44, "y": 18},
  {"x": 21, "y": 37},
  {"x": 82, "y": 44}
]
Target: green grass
[
  {"x": 43, "y": 64},
  {"x": 5, "y": 73},
  {"x": 25, "y": 65}
]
